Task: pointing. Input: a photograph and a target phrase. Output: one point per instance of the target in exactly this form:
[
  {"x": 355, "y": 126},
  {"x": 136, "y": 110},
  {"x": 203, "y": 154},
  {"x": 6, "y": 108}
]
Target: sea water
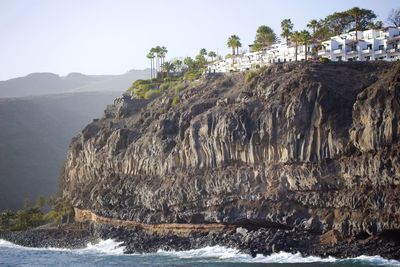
[{"x": 111, "y": 253}]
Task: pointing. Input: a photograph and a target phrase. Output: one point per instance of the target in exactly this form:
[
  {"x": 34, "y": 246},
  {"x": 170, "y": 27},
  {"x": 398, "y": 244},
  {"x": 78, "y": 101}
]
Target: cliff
[{"x": 307, "y": 146}]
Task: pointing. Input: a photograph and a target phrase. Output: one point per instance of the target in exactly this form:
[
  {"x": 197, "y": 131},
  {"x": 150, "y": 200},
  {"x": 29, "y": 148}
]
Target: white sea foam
[
  {"x": 106, "y": 247},
  {"x": 215, "y": 254},
  {"x": 224, "y": 254}
]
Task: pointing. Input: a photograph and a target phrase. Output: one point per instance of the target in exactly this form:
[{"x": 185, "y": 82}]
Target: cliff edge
[{"x": 305, "y": 146}]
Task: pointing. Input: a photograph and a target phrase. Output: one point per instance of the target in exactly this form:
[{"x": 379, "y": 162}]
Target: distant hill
[
  {"x": 49, "y": 83},
  {"x": 35, "y": 133}
]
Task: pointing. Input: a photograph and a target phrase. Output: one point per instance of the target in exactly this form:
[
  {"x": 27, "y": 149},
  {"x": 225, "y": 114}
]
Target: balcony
[
  {"x": 366, "y": 51},
  {"x": 323, "y": 52},
  {"x": 379, "y": 51},
  {"x": 391, "y": 50},
  {"x": 338, "y": 51},
  {"x": 352, "y": 52}
]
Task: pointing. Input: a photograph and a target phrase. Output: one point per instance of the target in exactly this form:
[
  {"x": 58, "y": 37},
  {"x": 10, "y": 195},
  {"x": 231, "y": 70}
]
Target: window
[
  {"x": 369, "y": 46},
  {"x": 381, "y": 47},
  {"x": 340, "y": 47},
  {"x": 339, "y": 58}
]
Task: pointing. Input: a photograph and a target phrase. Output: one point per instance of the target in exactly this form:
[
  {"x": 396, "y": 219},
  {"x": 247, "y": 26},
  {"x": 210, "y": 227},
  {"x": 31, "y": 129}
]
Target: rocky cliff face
[{"x": 309, "y": 146}]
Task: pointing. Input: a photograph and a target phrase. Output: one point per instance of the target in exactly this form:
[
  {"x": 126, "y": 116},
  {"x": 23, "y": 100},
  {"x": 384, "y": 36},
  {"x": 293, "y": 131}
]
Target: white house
[{"x": 369, "y": 45}]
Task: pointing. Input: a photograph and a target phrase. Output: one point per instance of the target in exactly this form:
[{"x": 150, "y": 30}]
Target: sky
[{"x": 114, "y": 36}]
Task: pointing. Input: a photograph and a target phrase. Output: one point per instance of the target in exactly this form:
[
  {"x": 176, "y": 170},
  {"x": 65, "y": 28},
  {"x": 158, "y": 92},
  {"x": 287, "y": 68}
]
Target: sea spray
[{"x": 112, "y": 251}]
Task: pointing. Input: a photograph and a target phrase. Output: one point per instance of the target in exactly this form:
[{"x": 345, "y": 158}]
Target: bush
[
  {"x": 193, "y": 75},
  {"x": 248, "y": 76},
  {"x": 175, "y": 100},
  {"x": 149, "y": 94},
  {"x": 324, "y": 59}
]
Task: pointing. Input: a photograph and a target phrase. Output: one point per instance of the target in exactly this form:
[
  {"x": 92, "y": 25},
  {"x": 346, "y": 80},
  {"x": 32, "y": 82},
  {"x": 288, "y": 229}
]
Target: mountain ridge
[{"x": 43, "y": 83}]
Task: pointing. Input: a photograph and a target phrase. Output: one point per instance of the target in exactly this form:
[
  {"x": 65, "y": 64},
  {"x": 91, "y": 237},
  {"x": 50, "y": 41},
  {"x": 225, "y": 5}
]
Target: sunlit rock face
[{"x": 311, "y": 146}]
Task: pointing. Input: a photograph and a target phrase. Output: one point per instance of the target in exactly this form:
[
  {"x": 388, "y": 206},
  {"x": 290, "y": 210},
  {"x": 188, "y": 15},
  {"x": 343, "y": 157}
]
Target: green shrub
[
  {"x": 248, "y": 76},
  {"x": 324, "y": 59},
  {"x": 149, "y": 94},
  {"x": 175, "y": 100},
  {"x": 193, "y": 75}
]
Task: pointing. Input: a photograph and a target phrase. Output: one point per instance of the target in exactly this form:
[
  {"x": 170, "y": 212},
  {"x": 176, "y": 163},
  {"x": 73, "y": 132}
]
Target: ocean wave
[
  {"x": 214, "y": 254},
  {"x": 223, "y": 254},
  {"x": 106, "y": 247}
]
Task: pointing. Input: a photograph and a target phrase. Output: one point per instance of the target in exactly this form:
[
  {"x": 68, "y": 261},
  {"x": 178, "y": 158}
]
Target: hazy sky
[{"x": 114, "y": 36}]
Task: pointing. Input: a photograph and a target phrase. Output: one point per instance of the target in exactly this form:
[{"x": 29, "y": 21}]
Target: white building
[{"x": 371, "y": 45}]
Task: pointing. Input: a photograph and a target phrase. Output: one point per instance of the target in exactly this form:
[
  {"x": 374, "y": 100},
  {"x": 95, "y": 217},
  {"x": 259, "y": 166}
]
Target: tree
[
  {"x": 337, "y": 23},
  {"x": 322, "y": 32},
  {"x": 378, "y": 25},
  {"x": 313, "y": 25},
  {"x": 168, "y": 67},
  {"x": 190, "y": 63},
  {"x": 362, "y": 18},
  {"x": 162, "y": 54},
  {"x": 203, "y": 52},
  {"x": 287, "y": 27},
  {"x": 296, "y": 38},
  {"x": 201, "y": 60},
  {"x": 234, "y": 43},
  {"x": 212, "y": 55},
  {"x": 6, "y": 218},
  {"x": 178, "y": 64},
  {"x": 305, "y": 39},
  {"x": 156, "y": 50},
  {"x": 394, "y": 17},
  {"x": 40, "y": 202},
  {"x": 265, "y": 36},
  {"x": 151, "y": 56}
]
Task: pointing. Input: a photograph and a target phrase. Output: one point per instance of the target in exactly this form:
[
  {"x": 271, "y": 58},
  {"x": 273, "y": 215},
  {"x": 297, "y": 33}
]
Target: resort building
[{"x": 381, "y": 44}]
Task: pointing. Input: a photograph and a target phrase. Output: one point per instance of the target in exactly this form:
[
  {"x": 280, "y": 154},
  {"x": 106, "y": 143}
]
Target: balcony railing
[
  {"x": 366, "y": 51},
  {"x": 338, "y": 51},
  {"x": 323, "y": 52},
  {"x": 352, "y": 52}
]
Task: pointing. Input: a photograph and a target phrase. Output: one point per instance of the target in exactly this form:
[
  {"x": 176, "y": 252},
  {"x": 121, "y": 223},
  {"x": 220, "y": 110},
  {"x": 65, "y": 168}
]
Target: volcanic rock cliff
[{"x": 308, "y": 146}]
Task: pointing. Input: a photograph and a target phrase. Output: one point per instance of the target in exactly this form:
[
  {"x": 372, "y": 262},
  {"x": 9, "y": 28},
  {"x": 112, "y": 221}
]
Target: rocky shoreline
[{"x": 251, "y": 241}]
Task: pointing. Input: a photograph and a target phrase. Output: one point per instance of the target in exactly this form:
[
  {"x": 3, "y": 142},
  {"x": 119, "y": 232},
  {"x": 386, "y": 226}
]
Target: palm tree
[
  {"x": 238, "y": 45},
  {"x": 212, "y": 55},
  {"x": 178, "y": 64},
  {"x": 157, "y": 51},
  {"x": 313, "y": 25},
  {"x": 234, "y": 42},
  {"x": 305, "y": 39},
  {"x": 168, "y": 67},
  {"x": 287, "y": 27},
  {"x": 163, "y": 53},
  {"x": 296, "y": 38},
  {"x": 203, "y": 52},
  {"x": 151, "y": 56}
]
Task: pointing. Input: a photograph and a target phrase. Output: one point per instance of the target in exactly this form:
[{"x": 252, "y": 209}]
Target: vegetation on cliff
[{"x": 60, "y": 210}]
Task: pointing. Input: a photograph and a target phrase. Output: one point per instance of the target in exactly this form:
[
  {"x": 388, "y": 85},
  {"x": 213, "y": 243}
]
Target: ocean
[{"x": 110, "y": 253}]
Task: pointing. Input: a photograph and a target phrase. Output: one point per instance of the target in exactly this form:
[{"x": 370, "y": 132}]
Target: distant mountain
[
  {"x": 49, "y": 83},
  {"x": 35, "y": 132}
]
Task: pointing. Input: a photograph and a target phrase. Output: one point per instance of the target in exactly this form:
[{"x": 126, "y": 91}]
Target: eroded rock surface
[{"x": 307, "y": 146}]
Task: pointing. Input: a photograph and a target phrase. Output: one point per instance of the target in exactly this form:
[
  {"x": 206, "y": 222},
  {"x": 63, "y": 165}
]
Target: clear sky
[{"x": 114, "y": 36}]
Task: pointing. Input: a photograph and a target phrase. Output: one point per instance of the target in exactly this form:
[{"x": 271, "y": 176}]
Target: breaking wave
[
  {"x": 107, "y": 247},
  {"x": 212, "y": 254},
  {"x": 223, "y": 254}
]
